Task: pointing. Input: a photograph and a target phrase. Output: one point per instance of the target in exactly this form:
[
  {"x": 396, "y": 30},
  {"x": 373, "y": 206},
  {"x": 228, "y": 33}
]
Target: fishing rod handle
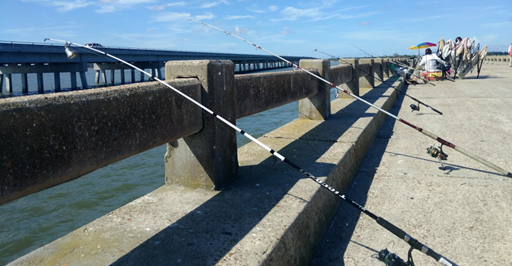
[{"x": 413, "y": 242}]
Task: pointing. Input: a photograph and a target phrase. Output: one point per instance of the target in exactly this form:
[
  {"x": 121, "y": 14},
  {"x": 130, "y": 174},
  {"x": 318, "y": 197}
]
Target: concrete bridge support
[
  {"x": 207, "y": 159},
  {"x": 6, "y": 72},
  {"x": 154, "y": 70}
]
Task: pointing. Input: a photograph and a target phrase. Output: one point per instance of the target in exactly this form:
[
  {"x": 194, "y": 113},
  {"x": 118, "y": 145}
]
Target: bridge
[
  {"x": 24, "y": 58},
  {"x": 260, "y": 212}
]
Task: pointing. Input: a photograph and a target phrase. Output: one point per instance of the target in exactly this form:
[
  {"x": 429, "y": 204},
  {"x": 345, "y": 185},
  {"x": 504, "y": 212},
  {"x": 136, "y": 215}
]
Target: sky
[{"x": 333, "y": 27}]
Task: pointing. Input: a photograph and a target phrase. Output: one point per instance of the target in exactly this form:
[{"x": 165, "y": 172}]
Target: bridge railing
[
  {"x": 54, "y": 138},
  {"x": 497, "y": 59}
]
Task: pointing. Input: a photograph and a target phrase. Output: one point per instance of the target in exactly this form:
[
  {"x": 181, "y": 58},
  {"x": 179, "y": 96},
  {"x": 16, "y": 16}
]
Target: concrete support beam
[
  {"x": 56, "y": 81},
  {"x": 8, "y": 83},
  {"x": 367, "y": 81},
  {"x": 24, "y": 83},
  {"x": 39, "y": 69},
  {"x": 317, "y": 107},
  {"x": 207, "y": 159}
]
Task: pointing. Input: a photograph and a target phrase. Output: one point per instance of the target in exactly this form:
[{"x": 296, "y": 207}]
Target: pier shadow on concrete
[
  {"x": 207, "y": 234},
  {"x": 335, "y": 242}
]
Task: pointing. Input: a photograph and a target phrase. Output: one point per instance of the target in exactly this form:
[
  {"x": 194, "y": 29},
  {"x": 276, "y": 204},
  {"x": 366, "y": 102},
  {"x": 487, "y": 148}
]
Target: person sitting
[{"x": 431, "y": 62}]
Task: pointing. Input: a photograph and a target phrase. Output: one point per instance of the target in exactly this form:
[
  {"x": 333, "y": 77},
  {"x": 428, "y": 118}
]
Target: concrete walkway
[
  {"x": 462, "y": 209},
  {"x": 271, "y": 215}
]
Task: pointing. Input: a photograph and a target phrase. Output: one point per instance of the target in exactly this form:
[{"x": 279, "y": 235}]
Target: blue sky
[{"x": 282, "y": 27}]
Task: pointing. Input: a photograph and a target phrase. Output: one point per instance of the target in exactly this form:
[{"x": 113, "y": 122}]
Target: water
[{"x": 35, "y": 220}]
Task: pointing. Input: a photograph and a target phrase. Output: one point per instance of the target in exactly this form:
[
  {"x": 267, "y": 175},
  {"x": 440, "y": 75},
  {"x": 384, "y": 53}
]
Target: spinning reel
[
  {"x": 391, "y": 259},
  {"x": 415, "y": 107},
  {"x": 437, "y": 152}
]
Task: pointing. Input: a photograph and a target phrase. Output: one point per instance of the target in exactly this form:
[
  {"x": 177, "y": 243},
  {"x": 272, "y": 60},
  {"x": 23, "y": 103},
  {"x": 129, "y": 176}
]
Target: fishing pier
[
  {"x": 227, "y": 206},
  {"x": 22, "y": 59}
]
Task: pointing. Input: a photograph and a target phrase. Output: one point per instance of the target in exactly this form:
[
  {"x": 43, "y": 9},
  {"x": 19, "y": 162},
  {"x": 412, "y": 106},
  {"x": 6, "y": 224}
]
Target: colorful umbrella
[{"x": 423, "y": 45}]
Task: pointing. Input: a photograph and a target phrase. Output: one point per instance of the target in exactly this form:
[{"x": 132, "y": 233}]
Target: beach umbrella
[{"x": 422, "y": 45}]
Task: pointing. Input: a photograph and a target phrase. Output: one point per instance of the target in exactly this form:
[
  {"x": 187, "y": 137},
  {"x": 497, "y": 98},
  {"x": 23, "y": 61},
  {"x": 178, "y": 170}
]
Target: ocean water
[{"x": 35, "y": 220}]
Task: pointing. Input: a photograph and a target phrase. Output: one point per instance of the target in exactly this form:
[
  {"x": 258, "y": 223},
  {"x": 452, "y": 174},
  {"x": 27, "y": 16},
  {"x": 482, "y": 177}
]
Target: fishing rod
[
  {"x": 421, "y": 130},
  {"x": 415, "y": 244},
  {"x": 401, "y": 64},
  {"x": 413, "y": 106}
]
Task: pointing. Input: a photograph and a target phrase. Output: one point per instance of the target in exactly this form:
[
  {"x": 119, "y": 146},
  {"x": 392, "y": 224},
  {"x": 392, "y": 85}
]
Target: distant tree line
[{"x": 497, "y": 53}]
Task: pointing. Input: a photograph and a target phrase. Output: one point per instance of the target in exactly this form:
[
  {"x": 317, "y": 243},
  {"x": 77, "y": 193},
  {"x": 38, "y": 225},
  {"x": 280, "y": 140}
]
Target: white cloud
[
  {"x": 285, "y": 31},
  {"x": 239, "y": 30},
  {"x": 292, "y": 13},
  {"x": 65, "y": 6},
  {"x": 164, "y": 6},
  {"x": 237, "y": 17},
  {"x": 256, "y": 9},
  {"x": 212, "y": 4},
  {"x": 170, "y": 16},
  {"x": 207, "y": 15},
  {"x": 107, "y": 6}
]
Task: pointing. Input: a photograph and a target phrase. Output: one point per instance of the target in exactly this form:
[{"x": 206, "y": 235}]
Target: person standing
[{"x": 510, "y": 55}]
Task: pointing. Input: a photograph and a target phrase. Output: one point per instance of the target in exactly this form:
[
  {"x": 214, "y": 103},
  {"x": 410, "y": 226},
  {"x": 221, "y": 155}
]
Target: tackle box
[{"x": 432, "y": 75}]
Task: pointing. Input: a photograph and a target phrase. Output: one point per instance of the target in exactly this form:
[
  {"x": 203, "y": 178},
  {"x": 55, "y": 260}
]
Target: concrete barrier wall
[
  {"x": 260, "y": 92},
  {"x": 497, "y": 59},
  {"x": 50, "y": 139}
]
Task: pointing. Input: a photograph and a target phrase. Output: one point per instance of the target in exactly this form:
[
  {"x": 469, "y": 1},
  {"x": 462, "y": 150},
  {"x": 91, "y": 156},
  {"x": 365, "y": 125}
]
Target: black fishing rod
[
  {"x": 415, "y": 244},
  {"x": 413, "y": 106},
  {"x": 421, "y": 130}
]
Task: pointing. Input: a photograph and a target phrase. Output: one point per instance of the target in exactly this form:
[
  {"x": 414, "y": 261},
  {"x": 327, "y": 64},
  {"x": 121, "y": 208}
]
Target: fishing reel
[
  {"x": 391, "y": 259},
  {"x": 437, "y": 152},
  {"x": 415, "y": 107}
]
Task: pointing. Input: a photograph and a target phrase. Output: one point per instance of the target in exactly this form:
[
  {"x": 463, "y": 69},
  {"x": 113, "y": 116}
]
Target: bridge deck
[{"x": 462, "y": 212}]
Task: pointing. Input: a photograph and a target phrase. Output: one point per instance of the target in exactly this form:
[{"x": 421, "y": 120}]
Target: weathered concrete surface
[
  {"x": 462, "y": 211},
  {"x": 269, "y": 215},
  {"x": 207, "y": 159},
  {"x": 49, "y": 139},
  {"x": 259, "y": 92}
]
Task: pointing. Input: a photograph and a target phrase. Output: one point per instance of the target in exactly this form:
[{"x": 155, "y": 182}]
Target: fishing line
[
  {"x": 387, "y": 225},
  {"x": 414, "y": 107},
  {"x": 421, "y": 130}
]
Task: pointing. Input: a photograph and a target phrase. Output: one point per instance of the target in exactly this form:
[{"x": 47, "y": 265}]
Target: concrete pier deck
[{"x": 461, "y": 209}]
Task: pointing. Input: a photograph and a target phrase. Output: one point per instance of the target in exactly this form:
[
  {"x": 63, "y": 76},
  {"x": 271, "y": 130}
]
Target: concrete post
[
  {"x": 367, "y": 81},
  {"x": 56, "y": 81},
  {"x": 207, "y": 159},
  {"x": 84, "y": 80},
  {"x": 353, "y": 84},
  {"x": 40, "y": 86},
  {"x": 385, "y": 68},
  {"x": 378, "y": 71},
  {"x": 24, "y": 83},
  {"x": 317, "y": 107}
]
